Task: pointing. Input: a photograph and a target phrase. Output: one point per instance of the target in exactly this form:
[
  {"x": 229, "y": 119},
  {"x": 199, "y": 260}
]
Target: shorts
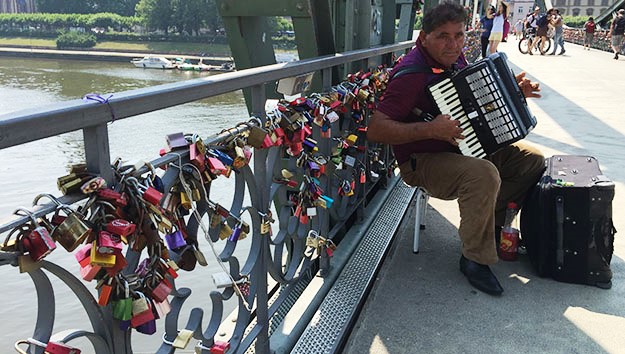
[
  {"x": 589, "y": 38},
  {"x": 617, "y": 40},
  {"x": 542, "y": 31},
  {"x": 495, "y": 36}
]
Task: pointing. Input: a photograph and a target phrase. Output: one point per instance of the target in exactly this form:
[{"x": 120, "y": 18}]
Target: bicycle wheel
[{"x": 524, "y": 45}]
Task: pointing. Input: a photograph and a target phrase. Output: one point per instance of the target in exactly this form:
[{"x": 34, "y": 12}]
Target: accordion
[{"x": 489, "y": 104}]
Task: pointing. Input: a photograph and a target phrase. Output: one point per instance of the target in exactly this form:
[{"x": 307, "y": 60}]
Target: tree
[
  {"x": 190, "y": 15},
  {"x": 156, "y": 14}
]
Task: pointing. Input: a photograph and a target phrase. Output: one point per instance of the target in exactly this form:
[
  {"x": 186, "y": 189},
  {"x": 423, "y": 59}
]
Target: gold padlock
[
  {"x": 185, "y": 201},
  {"x": 71, "y": 232},
  {"x": 182, "y": 339},
  {"x": 101, "y": 259},
  {"x": 225, "y": 231}
]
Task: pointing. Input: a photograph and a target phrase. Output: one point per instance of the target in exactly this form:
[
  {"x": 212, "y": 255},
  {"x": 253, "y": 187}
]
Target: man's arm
[{"x": 383, "y": 129}]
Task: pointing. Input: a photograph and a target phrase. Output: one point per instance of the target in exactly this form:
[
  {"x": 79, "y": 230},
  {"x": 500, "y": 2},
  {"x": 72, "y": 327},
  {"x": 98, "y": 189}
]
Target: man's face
[{"x": 445, "y": 43}]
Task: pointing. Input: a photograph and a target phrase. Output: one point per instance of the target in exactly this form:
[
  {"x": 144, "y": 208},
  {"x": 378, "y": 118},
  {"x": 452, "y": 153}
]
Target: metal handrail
[
  {"x": 25, "y": 126},
  {"x": 22, "y": 126}
]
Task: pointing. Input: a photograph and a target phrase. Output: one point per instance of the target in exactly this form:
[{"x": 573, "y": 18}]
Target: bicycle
[{"x": 528, "y": 37}]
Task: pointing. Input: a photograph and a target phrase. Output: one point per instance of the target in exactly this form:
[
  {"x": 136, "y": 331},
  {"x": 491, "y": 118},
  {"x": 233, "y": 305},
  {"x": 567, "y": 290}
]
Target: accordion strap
[{"x": 418, "y": 68}]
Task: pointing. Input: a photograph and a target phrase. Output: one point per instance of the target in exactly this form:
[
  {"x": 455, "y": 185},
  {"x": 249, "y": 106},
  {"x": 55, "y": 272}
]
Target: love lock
[{"x": 72, "y": 231}]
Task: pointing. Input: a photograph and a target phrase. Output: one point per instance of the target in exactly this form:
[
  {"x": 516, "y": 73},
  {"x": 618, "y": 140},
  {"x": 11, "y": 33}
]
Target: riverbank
[{"x": 101, "y": 55}]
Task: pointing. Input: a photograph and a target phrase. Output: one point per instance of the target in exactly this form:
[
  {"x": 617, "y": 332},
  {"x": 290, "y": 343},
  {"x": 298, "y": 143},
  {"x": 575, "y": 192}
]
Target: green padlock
[{"x": 122, "y": 307}]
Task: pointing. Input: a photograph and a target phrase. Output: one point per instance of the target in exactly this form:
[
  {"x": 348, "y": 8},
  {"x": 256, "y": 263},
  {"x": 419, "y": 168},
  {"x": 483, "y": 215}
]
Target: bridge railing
[{"x": 315, "y": 177}]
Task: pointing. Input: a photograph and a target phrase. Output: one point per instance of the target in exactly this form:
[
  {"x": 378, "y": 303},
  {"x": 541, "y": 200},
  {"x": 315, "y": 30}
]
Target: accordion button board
[{"x": 490, "y": 108}]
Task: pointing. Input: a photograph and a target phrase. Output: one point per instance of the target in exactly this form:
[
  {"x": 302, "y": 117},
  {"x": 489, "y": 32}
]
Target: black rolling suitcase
[{"x": 566, "y": 222}]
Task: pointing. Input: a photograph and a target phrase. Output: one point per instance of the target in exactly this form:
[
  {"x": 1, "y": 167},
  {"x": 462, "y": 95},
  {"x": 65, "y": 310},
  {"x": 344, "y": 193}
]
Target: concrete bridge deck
[{"x": 421, "y": 303}]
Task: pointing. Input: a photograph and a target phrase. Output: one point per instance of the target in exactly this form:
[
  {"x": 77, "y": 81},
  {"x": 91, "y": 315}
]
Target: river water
[{"x": 32, "y": 168}]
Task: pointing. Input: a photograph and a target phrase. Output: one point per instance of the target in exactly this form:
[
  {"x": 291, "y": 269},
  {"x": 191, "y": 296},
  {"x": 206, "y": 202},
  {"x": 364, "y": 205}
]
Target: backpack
[
  {"x": 619, "y": 25},
  {"x": 542, "y": 20}
]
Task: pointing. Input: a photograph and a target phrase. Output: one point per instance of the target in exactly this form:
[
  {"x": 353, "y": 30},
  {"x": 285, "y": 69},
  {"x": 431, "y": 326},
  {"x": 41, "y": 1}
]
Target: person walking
[
  {"x": 558, "y": 38},
  {"x": 486, "y": 25},
  {"x": 542, "y": 27},
  {"x": 496, "y": 34},
  {"x": 589, "y": 33},
  {"x": 617, "y": 29},
  {"x": 518, "y": 29}
]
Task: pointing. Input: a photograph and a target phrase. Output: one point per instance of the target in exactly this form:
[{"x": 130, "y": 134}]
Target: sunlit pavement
[{"x": 421, "y": 303}]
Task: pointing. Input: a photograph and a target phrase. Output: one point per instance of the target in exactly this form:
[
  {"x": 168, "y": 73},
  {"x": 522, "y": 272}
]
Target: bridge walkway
[{"x": 421, "y": 303}]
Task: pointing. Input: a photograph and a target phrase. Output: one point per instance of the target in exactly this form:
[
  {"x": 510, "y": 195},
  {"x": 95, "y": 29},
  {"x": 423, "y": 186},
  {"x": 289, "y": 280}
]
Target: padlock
[
  {"x": 115, "y": 198},
  {"x": 225, "y": 231},
  {"x": 37, "y": 241},
  {"x": 185, "y": 201},
  {"x": 101, "y": 259},
  {"x": 92, "y": 185},
  {"x": 215, "y": 166},
  {"x": 108, "y": 243},
  {"x": 236, "y": 233},
  {"x": 60, "y": 348},
  {"x": 122, "y": 307},
  {"x": 121, "y": 228},
  {"x": 120, "y": 264},
  {"x": 152, "y": 195},
  {"x": 141, "y": 311},
  {"x": 220, "y": 347},
  {"x": 183, "y": 338},
  {"x": 72, "y": 231},
  {"x": 162, "y": 308},
  {"x": 106, "y": 289},
  {"x": 256, "y": 136},
  {"x": 162, "y": 289},
  {"x": 175, "y": 240},
  {"x": 197, "y": 153},
  {"x": 176, "y": 141}
]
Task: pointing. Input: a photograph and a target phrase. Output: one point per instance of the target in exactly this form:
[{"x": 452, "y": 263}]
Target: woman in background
[
  {"x": 496, "y": 34},
  {"x": 486, "y": 24}
]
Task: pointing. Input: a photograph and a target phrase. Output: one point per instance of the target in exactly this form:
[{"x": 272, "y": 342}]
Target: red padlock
[
  {"x": 116, "y": 198},
  {"x": 107, "y": 243},
  {"x": 39, "y": 243},
  {"x": 60, "y": 348},
  {"x": 120, "y": 227},
  {"x": 152, "y": 195},
  {"x": 220, "y": 347}
]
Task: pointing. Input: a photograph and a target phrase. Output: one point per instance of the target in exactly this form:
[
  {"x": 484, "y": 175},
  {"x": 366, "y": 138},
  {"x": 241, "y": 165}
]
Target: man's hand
[
  {"x": 446, "y": 129},
  {"x": 529, "y": 89}
]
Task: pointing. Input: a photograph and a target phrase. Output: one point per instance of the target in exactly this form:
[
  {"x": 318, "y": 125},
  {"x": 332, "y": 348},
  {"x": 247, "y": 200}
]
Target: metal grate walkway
[{"x": 331, "y": 324}]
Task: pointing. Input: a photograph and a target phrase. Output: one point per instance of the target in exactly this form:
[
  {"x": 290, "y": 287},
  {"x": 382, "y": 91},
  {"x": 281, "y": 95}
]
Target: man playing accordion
[{"x": 427, "y": 151}]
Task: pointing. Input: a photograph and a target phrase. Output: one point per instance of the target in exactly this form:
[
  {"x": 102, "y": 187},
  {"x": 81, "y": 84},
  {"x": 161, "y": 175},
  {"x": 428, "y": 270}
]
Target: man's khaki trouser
[{"x": 483, "y": 188}]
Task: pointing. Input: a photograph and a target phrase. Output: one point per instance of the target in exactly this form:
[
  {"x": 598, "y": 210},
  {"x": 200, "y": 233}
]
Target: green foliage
[
  {"x": 156, "y": 14},
  {"x": 46, "y": 22},
  {"x": 74, "y": 39},
  {"x": 575, "y": 21}
]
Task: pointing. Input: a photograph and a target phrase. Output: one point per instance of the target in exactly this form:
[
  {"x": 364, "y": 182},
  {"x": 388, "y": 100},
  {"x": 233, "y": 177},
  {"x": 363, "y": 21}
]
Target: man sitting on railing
[{"x": 428, "y": 155}]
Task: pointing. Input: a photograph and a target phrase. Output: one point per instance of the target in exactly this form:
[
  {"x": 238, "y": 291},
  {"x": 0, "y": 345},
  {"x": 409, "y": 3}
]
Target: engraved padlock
[{"x": 37, "y": 241}]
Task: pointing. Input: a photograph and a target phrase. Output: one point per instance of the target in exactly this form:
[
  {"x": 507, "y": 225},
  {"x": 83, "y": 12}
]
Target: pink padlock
[
  {"x": 220, "y": 347},
  {"x": 108, "y": 244}
]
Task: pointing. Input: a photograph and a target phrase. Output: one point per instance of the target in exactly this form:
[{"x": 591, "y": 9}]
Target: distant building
[
  {"x": 582, "y": 7},
  {"x": 17, "y": 6}
]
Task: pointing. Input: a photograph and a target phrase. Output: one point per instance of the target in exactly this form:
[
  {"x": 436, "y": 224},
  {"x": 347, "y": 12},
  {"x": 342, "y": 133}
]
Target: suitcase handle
[{"x": 560, "y": 232}]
